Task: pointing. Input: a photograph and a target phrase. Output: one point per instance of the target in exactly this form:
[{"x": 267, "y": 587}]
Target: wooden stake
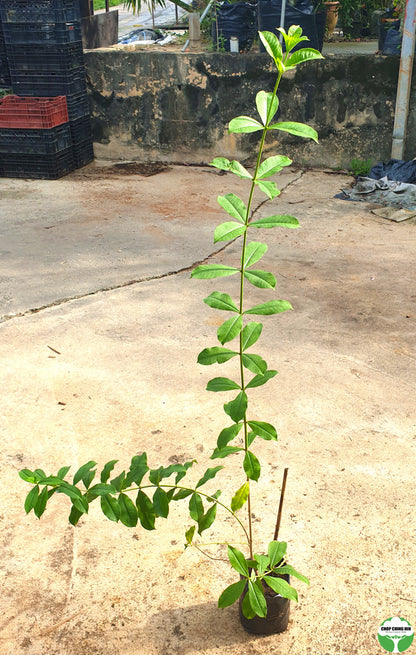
[{"x": 279, "y": 513}]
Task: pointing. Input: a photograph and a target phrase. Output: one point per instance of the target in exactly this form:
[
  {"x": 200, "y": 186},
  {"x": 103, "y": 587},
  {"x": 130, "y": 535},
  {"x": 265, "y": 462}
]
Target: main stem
[{"x": 243, "y": 256}]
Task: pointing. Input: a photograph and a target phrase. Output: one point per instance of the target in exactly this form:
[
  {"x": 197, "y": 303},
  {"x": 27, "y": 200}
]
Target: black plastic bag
[
  {"x": 393, "y": 42},
  {"x": 238, "y": 20},
  {"x": 313, "y": 25}
]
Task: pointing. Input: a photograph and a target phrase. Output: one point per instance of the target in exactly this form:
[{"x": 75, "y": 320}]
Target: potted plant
[{"x": 142, "y": 494}]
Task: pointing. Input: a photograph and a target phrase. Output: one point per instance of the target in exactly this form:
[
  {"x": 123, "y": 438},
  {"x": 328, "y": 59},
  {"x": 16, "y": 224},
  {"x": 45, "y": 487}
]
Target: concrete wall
[{"x": 174, "y": 107}]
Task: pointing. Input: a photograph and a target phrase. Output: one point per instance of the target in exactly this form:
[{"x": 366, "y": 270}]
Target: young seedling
[{"x": 141, "y": 494}]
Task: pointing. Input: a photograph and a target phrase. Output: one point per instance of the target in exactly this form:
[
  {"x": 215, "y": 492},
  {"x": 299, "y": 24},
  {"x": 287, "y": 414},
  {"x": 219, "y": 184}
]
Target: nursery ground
[{"x": 100, "y": 329}]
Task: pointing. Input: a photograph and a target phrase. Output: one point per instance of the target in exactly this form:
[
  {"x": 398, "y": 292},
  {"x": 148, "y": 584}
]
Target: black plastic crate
[
  {"x": 42, "y": 32},
  {"x": 32, "y": 142},
  {"x": 81, "y": 130},
  {"x": 46, "y": 167},
  {"x": 43, "y": 11},
  {"x": 78, "y": 105},
  {"x": 5, "y": 80},
  {"x": 28, "y": 83},
  {"x": 46, "y": 58},
  {"x": 83, "y": 153}
]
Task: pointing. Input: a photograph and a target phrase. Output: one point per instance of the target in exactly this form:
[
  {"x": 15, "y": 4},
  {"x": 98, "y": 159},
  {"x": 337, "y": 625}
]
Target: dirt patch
[{"x": 121, "y": 169}]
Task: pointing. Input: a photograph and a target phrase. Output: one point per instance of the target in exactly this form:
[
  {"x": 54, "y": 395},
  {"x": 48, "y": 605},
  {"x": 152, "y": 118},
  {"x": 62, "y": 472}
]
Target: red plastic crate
[{"x": 35, "y": 113}]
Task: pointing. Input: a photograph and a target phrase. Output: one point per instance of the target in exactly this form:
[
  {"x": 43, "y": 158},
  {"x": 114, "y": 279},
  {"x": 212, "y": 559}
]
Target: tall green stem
[{"x": 241, "y": 308}]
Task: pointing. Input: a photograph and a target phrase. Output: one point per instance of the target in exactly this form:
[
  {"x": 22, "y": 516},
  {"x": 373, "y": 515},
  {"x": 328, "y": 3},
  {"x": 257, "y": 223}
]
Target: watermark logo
[{"x": 395, "y": 635}]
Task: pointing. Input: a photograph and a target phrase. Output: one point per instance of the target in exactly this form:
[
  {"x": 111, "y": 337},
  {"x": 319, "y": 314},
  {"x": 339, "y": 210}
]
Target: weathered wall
[{"x": 174, "y": 107}]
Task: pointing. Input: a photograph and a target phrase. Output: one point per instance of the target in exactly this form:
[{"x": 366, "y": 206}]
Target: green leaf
[
  {"x": 137, "y": 471},
  {"x": 297, "y": 129},
  {"x": 240, "y": 497},
  {"x": 182, "y": 469},
  {"x": 215, "y": 355},
  {"x": 62, "y": 472},
  {"x": 272, "y": 45},
  {"x": 256, "y": 596},
  {"x": 300, "y": 56},
  {"x": 128, "y": 511},
  {"x": 238, "y": 561},
  {"x": 244, "y": 124},
  {"x": 264, "y": 430},
  {"x": 110, "y": 507},
  {"x": 259, "y": 380},
  {"x": 189, "y": 534},
  {"x": 208, "y": 519},
  {"x": 182, "y": 493},
  {"x": 40, "y": 504},
  {"x": 99, "y": 490},
  {"x": 231, "y": 594},
  {"x": 84, "y": 474},
  {"x": 293, "y": 37},
  {"x": 261, "y": 279},
  {"x": 228, "y": 231},
  {"x": 251, "y": 466},
  {"x": 211, "y": 271},
  {"x": 74, "y": 516},
  {"x": 289, "y": 570},
  {"x": 41, "y": 475},
  {"x": 208, "y": 475},
  {"x": 253, "y": 253},
  {"x": 254, "y": 363},
  {"x": 31, "y": 499},
  {"x": 221, "y": 453},
  {"x": 218, "y": 300},
  {"x": 262, "y": 562},
  {"x": 234, "y": 206},
  {"x": 228, "y": 434},
  {"x": 276, "y": 221},
  {"x": 52, "y": 480},
  {"x": 80, "y": 502},
  {"x": 236, "y": 409},
  {"x": 269, "y": 188},
  {"x": 155, "y": 476},
  {"x": 105, "y": 473},
  {"x": 222, "y": 163},
  {"x": 239, "y": 170},
  {"x": 29, "y": 476},
  {"x": 118, "y": 482},
  {"x": 247, "y": 610},
  {"x": 230, "y": 329},
  {"x": 272, "y": 165},
  {"x": 251, "y": 334},
  {"x": 161, "y": 503},
  {"x": 145, "y": 511},
  {"x": 267, "y": 105},
  {"x": 281, "y": 587},
  {"x": 222, "y": 384},
  {"x": 196, "y": 507},
  {"x": 271, "y": 307},
  {"x": 276, "y": 551}
]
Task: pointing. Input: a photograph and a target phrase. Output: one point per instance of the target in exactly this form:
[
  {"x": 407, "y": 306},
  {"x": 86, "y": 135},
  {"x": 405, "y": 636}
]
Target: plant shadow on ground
[{"x": 197, "y": 628}]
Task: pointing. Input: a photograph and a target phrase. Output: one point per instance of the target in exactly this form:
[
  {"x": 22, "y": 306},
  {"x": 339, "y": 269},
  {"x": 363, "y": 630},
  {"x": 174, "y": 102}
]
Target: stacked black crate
[
  {"x": 35, "y": 138},
  {"x": 44, "y": 50},
  {"x": 4, "y": 65}
]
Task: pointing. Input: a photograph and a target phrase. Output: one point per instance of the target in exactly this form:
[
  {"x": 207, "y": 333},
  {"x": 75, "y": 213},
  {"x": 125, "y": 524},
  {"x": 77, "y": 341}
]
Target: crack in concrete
[{"x": 150, "y": 278}]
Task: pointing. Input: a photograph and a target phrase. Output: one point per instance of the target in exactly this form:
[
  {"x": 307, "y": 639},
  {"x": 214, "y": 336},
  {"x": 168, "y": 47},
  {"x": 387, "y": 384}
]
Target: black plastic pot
[{"x": 278, "y": 610}]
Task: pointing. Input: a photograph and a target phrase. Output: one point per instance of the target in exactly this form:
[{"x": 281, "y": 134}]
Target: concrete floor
[{"x": 101, "y": 327}]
